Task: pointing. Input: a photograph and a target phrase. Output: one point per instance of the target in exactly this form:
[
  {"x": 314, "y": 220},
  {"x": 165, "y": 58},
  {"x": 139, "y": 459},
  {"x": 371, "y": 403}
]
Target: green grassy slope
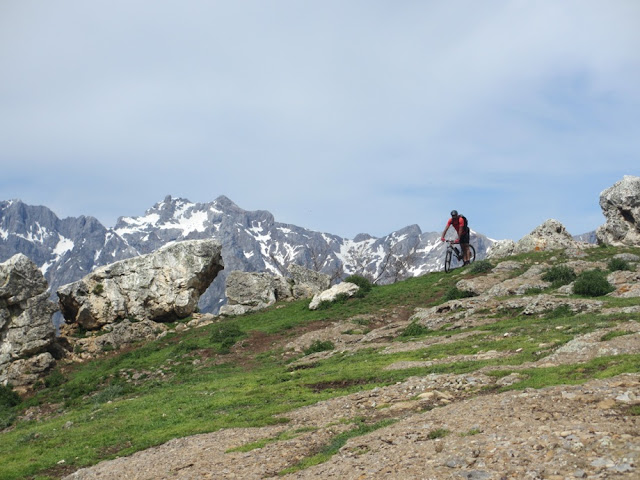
[{"x": 210, "y": 378}]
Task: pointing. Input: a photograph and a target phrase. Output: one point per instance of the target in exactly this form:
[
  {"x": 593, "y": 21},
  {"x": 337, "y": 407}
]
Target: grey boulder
[
  {"x": 161, "y": 286},
  {"x": 26, "y": 330}
]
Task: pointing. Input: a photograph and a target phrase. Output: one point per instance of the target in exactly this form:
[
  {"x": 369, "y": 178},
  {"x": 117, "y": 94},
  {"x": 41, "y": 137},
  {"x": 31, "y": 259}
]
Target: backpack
[{"x": 466, "y": 223}]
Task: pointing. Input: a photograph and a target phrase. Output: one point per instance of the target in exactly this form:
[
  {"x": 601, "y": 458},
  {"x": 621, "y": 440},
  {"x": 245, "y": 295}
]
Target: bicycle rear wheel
[
  {"x": 447, "y": 261},
  {"x": 472, "y": 254}
]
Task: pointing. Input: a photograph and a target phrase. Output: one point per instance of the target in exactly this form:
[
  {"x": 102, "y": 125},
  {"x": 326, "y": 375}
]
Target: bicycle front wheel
[{"x": 447, "y": 261}]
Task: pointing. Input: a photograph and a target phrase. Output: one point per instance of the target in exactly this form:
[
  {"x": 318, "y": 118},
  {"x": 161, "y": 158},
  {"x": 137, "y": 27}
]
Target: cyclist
[{"x": 460, "y": 225}]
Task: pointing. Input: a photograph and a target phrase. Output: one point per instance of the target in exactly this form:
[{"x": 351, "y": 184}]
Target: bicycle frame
[{"x": 457, "y": 253}]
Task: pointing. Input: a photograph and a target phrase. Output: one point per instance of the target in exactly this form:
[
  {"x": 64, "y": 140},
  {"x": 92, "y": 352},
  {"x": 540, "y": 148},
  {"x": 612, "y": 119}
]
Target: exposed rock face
[
  {"x": 344, "y": 288},
  {"x": 249, "y": 291},
  {"x": 551, "y": 235},
  {"x": 621, "y": 206},
  {"x": 307, "y": 283},
  {"x": 502, "y": 248},
  {"x": 26, "y": 331},
  {"x": 120, "y": 335},
  {"x": 161, "y": 286}
]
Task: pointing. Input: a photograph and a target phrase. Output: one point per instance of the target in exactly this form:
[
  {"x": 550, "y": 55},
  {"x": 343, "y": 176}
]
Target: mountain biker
[{"x": 460, "y": 225}]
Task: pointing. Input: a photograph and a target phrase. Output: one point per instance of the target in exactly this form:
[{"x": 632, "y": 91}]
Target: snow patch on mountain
[
  {"x": 63, "y": 246},
  {"x": 188, "y": 222},
  {"x": 138, "y": 224}
]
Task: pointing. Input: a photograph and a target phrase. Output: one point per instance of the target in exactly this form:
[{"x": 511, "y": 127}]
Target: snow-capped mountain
[{"x": 68, "y": 249}]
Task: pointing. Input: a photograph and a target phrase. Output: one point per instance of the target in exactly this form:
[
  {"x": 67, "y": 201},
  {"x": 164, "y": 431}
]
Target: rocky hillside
[
  {"x": 505, "y": 369},
  {"x": 467, "y": 410},
  {"x": 253, "y": 241}
]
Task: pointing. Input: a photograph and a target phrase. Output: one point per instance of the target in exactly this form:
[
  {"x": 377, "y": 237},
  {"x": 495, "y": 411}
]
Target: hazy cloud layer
[{"x": 339, "y": 116}]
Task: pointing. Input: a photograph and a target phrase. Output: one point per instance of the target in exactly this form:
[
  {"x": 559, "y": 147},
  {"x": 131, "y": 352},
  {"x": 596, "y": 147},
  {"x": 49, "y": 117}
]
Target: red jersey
[{"x": 457, "y": 223}]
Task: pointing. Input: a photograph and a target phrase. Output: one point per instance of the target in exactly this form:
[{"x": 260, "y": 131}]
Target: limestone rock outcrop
[
  {"x": 621, "y": 206},
  {"x": 501, "y": 249},
  {"x": 117, "y": 336},
  {"x": 161, "y": 286},
  {"x": 251, "y": 291},
  {"x": 551, "y": 235},
  {"x": 307, "y": 283},
  {"x": 27, "y": 334}
]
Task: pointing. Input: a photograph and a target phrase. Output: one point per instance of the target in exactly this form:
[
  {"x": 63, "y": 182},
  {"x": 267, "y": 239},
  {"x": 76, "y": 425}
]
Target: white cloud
[{"x": 305, "y": 107}]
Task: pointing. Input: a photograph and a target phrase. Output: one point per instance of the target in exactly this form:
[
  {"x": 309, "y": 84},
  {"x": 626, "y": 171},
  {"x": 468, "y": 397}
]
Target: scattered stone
[
  {"x": 627, "y": 257},
  {"x": 345, "y": 288}
]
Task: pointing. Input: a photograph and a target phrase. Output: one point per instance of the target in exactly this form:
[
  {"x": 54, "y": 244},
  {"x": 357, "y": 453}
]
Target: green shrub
[
  {"x": 362, "y": 282},
  {"x": 110, "y": 393},
  {"x": 54, "y": 379},
  {"x": 225, "y": 331},
  {"x": 560, "y": 311},
  {"x": 226, "y": 334},
  {"x": 616, "y": 333},
  {"x": 533, "y": 291},
  {"x": 319, "y": 346},
  {"x": 340, "y": 298},
  {"x": 98, "y": 289},
  {"x": 559, "y": 275},
  {"x": 438, "y": 433},
  {"x": 7, "y": 417},
  {"x": 415, "y": 329},
  {"x": 616, "y": 264},
  {"x": 481, "y": 266},
  {"x": 592, "y": 283},
  {"x": 324, "y": 305},
  {"x": 8, "y": 398},
  {"x": 454, "y": 293}
]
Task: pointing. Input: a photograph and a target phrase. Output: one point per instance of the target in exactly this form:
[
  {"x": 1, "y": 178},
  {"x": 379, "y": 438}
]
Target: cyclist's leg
[{"x": 464, "y": 244}]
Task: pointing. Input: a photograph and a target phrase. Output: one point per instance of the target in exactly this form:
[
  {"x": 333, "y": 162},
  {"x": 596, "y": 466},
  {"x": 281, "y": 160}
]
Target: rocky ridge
[{"x": 68, "y": 249}]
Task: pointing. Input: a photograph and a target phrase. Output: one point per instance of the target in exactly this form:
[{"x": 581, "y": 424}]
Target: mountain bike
[{"x": 454, "y": 257}]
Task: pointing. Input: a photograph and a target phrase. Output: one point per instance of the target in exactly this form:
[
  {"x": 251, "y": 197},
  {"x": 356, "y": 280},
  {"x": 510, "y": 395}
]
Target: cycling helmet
[{"x": 454, "y": 213}]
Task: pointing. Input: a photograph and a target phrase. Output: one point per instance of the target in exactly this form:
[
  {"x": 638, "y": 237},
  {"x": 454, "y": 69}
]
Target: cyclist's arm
[{"x": 445, "y": 230}]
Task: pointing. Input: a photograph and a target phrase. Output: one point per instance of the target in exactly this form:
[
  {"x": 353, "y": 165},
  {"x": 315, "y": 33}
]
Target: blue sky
[{"x": 338, "y": 116}]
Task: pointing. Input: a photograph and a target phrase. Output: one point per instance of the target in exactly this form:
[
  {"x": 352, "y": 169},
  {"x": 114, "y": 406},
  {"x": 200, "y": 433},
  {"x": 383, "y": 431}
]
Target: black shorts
[{"x": 464, "y": 238}]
